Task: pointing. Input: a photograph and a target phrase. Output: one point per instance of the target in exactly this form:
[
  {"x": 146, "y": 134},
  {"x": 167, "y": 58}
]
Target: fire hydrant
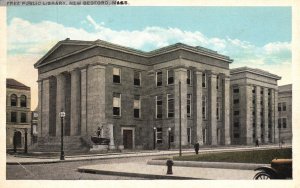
[{"x": 170, "y": 164}]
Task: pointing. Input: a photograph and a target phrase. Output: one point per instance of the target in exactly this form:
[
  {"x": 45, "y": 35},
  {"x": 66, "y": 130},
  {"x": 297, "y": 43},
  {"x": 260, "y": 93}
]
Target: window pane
[
  {"x": 170, "y": 76},
  {"x": 137, "y": 78},
  {"x": 116, "y": 111},
  {"x": 159, "y": 78},
  {"x": 23, "y": 101},
  {"x": 136, "y": 113},
  {"x": 13, "y": 116},
  {"x": 116, "y": 71},
  {"x": 13, "y": 100}
]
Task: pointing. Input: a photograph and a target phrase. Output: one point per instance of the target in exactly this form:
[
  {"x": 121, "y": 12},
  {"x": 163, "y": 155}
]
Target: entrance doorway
[
  {"x": 128, "y": 139},
  {"x": 18, "y": 139}
]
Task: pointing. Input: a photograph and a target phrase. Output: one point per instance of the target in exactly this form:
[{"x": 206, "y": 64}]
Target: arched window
[
  {"x": 23, "y": 101},
  {"x": 13, "y": 100}
]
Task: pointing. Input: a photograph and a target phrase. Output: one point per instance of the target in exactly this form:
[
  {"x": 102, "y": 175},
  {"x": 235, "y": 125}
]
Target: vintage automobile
[{"x": 280, "y": 169}]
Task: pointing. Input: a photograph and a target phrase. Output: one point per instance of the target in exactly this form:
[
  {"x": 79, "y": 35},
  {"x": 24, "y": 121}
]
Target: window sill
[
  {"x": 117, "y": 83},
  {"x": 117, "y": 117}
]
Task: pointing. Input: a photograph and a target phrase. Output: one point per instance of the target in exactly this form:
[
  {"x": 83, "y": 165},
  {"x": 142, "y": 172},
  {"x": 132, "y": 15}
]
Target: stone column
[
  {"x": 212, "y": 105},
  {"x": 45, "y": 108},
  {"x": 95, "y": 98},
  {"x": 266, "y": 118},
  {"x": 60, "y": 100},
  {"x": 198, "y": 106},
  {"x": 83, "y": 96},
  {"x": 40, "y": 97},
  {"x": 274, "y": 102},
  {"x": 258, "y": 111},
  {"x": 111, "y": 136},
  {"x": 226, "y": 109},
  {"x": 245, "y": 114},
  {"x": 180, "y": 75},
  {"x": 75, "y": 102}
]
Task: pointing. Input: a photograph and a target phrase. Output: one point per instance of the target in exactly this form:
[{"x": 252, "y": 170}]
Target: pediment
[{"x": 60, "y": 50}]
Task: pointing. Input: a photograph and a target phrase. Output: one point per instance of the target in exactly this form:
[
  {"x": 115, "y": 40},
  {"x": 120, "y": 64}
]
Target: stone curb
[
  {"x": 131, "y": 174},
  {"x": 224, "y": 165}
]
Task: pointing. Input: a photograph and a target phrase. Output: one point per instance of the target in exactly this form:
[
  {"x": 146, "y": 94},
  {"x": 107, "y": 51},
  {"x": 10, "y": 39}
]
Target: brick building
[
  {"x": 254, "y": 103},
  {"x": 285, "y": 113},
  {"x": 18, "y": 114},
  {"x": 144, "y": 96}
]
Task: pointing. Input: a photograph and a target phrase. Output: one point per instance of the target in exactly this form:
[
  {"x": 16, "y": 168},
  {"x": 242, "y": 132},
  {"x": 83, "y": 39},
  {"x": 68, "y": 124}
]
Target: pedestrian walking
[
  {"x": 196, "y": 146},
  {"x": 256, "y": 143},
  {"x": 99, "y": 132}
]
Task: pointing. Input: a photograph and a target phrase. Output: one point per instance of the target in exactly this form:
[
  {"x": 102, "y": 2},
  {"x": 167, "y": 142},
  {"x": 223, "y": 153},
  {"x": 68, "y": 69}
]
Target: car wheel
[{"x": 262, "y": 176}]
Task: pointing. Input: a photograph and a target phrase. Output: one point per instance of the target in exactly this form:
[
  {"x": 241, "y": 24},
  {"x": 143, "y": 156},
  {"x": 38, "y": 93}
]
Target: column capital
[
  {"x": 151, "y": 73},
  {"x": 199, "y": 71},
  {"x": 97, "y": 65},
  {"x": 180, "y": 68}
]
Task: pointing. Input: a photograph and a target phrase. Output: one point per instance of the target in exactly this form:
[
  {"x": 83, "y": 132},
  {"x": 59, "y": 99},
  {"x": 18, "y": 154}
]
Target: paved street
[{"x": 67, "y": 170}]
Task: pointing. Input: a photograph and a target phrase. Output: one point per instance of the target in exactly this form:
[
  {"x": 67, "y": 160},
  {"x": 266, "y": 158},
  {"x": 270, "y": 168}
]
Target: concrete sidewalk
[
  {"x": 159, "y": 172},
  {"x": 11, "y": 159}
]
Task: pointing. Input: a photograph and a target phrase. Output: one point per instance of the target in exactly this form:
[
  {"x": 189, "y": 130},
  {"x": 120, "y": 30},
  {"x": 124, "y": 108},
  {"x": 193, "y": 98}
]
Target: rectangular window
[
  {"x": 236, "y": 113},
  {"x": 283, "y": 106},
  {"x": 279, "y": 123},
  {"x": 23, "y": 118},
  {"x": 236, "y": 135},
  {"x": 283, "y": 122},
  {"x": 189, "y": 77},
  {"x": 236, "y": 101},
  {"x": 13, "y": 117},
  {"x": 279, "y": 107},
  {"x": 218, "y": 111},
  {"x": 236, "y": 90},
  {"x": 116, "y": 104},
  {"x": 137, "y": 106},
  {"x": 116, "y": 75},
  {"x": 203, "y": 107},
  {"x": 217, "y": 84},
  {"x": 159, "y": 78},
  {"x": 253, "y": 89},
  {"x": 159, "y": 107},
  {"x": 136, "y": 78},
  {"x": 189, "y": 135},
  {"x": 236, "y": 124},
  {"x": 159, "y": 135},
  {"x": 203, "y": 80},
  {"x": 170, "y": 105},
  {"x": 189, "y": 105},
  {"x": 170, "y": 74}
]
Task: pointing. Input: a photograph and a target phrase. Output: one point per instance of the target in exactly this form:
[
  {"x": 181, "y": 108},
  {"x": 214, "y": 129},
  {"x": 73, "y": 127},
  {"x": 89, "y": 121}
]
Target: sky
[{"x": 257, "y": 37}]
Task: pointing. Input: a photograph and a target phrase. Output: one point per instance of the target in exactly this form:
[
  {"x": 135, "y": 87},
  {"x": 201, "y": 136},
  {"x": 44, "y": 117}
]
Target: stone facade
[
  {"x": 285, "y": 113},
  {"x": 253, "y": 106},
  {"x": 141, "y": 98},
  {"x": 18, "y": 115}
]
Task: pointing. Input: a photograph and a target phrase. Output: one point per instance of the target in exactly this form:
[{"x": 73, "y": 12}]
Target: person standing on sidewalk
[{"x": 197, "y": 146}]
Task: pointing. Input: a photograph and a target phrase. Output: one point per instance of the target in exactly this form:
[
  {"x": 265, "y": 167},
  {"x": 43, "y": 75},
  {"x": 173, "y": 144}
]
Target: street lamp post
[
  {"x": 169, "y": 131},
  {"x": 154, "y": 140},
  {"x": 62, "y": 153}
]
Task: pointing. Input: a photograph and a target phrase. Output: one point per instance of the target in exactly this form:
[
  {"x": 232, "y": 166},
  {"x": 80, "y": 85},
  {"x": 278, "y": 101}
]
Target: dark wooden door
[
  {"x": 18, "y": 138},
  {"x": 127, "y": 139}
]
